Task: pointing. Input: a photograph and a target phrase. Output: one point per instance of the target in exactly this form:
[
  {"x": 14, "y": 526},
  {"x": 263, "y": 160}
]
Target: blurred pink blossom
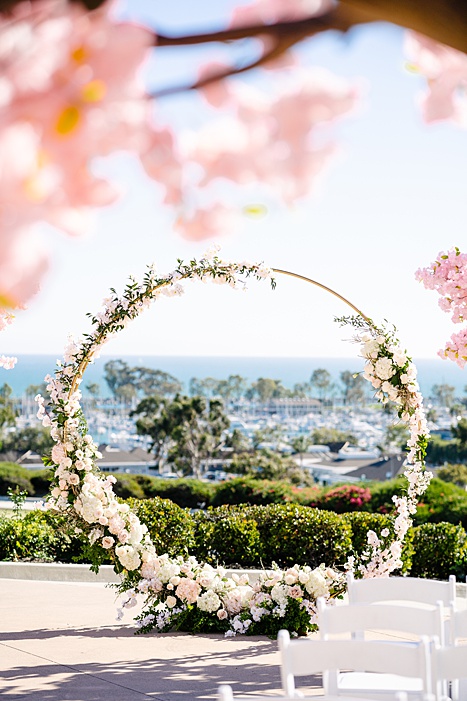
[
  {"x": 446, "y": 72},
  {"x": 70, "y": 90},
  {"x": 215, "y": 220},
  {"x": 270, "y": 11},
  {"x": 274, "y": 140}
]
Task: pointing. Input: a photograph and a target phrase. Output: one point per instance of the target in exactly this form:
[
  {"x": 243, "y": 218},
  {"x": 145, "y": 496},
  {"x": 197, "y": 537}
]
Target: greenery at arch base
[{"x": 179, "y": 592}]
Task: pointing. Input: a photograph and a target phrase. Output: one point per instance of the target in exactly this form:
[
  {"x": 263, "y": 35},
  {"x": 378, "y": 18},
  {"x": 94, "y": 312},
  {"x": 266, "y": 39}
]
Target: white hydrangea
[{"x": 209, "y": 601}]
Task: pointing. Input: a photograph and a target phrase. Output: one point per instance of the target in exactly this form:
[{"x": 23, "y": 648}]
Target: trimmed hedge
[
  {"x": 246, "y": 490},
  {"x": 440, "y": 549},
  {"x": 258, "y": 536},
  {"x": 227, "y": 535},
  {"x": 171, "y": 528},
  {"x": 245, "y": 536}
]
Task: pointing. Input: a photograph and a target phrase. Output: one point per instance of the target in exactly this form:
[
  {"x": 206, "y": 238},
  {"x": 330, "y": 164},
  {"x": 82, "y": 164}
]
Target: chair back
[
  {"x": 449, "y": 664},
  {"x": 358, "y": 618},
  {"x": 379, "y": 589},
  {"x": 458, "y": 626},
  {"x": 307, "y": 657}
]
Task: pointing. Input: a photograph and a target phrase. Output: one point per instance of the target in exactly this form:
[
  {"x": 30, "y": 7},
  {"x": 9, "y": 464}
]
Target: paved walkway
[{"x": 60, "y": 640}]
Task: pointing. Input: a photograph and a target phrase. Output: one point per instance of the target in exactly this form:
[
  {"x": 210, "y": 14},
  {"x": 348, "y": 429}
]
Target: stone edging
[
  {"x": 59, "y": 572},
  {"x": 55, "y": 572}
]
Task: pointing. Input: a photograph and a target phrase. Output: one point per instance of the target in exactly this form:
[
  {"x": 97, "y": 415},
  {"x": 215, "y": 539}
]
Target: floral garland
[
  {"x": 182, "y": 593},
  {"x": 393, "y": 374},
  {"x": 78, "y": 489}
]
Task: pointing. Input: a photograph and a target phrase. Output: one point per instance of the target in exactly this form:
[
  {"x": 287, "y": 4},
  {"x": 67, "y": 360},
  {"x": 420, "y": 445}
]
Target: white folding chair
[
  {"x": 225, "y": 693},
  {"x": 356, "y": 619},
  {"x": 458, "y": 627},
  {"x": 389, "y": 667},
  {"x": 449, "y": 664},
  {"x": 422, "y": 591}
]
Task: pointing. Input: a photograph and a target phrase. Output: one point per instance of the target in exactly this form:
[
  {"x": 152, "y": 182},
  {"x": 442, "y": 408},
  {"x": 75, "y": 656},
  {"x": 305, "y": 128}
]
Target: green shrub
[
  {"x": 171, "y": 528},
  {"x": 12, "y": 475},
  {"x": 440, "y": 549},
  {"x": 227, "y": 535},
  {"x": 40, "y": 535},
  {"x": 382, "y": 493},
  {"x": 247, "y": 490},
  {"x": 40, "y": 480},
  {"x": 28, "y": 538},
  {"x": 442, "y": 501},
  {"x": 127, "y": 486},
  {"x": 291, "y": 534},
  {"x": 188, "y": 493}
]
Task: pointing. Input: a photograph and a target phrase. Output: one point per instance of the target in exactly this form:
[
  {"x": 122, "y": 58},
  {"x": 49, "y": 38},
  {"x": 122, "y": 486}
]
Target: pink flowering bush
[
  {"x": 345, "y": 498},
  {"x": 447, "y": 275}
]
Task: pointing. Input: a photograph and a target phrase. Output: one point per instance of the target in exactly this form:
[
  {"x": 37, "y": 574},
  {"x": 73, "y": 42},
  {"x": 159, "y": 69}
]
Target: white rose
[
  {"x": 171, "y": 601},
  {"x": 384, "y": 368},
  {"x": 128, "y": 556}
]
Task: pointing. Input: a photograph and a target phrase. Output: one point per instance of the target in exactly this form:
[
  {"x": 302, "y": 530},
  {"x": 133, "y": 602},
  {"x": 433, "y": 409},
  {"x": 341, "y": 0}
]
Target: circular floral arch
[{"x": 86, "y": 496}]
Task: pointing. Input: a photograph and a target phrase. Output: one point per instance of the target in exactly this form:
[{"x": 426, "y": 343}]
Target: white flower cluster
[
  {"x": 173, "y": 585},
  {"x": 78, "y": 489}
]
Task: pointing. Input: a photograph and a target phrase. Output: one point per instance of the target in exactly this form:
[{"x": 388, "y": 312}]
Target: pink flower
[
  {"x": 270, "y": 11},
  {"x": 446, "y": 72},
  {"x": 188, "y": 590}
]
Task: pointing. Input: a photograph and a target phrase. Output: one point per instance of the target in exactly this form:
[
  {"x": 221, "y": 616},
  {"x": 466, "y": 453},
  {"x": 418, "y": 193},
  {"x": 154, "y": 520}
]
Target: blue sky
[{"x": 393, "y": 199}]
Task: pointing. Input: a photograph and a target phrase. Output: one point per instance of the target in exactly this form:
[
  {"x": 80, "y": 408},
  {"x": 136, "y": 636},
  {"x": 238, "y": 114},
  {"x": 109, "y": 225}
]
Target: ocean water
[{"x": 31, "y": 369}]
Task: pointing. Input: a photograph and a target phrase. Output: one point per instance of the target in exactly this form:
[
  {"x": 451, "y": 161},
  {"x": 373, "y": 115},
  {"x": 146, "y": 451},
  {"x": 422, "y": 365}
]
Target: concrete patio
[{"x": 60, "y": 640}]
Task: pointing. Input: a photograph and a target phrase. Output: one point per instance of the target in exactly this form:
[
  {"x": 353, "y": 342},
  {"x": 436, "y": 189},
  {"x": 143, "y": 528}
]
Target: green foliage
[
  {"x": 34, "y": 438},
  {"x": 440, "y": 451},
  {"x": 190, "y": 429},
  {"x": 291, "y": 534},
  {"x": 28, "y": 538},
  {"x": 128, "y": 485},
  {"x": 382, "y": 493},
  {"x": 40, "y": 480},
  {"x": 127, "y": 382},
  {"x": 246, "y": 490},
  {"x": 457, "y": 474},
  {"x": 39, "y": 535},
  {"x": 188, "y": 493},
  {"x": 171, "y": 528},
  {"x": 443, "y": 501},
  {"x": 229, "y": 536},
  {"x": 321, "y": 381},
  {"x": 439, "y": 550},
  {"x": 354, "y": 385},
  {"x": 12, "y": 475},
  {"x": 268, "y": 465},
  {"x": 323, "y": 436},
  {"x": 460, "y": 433}
]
